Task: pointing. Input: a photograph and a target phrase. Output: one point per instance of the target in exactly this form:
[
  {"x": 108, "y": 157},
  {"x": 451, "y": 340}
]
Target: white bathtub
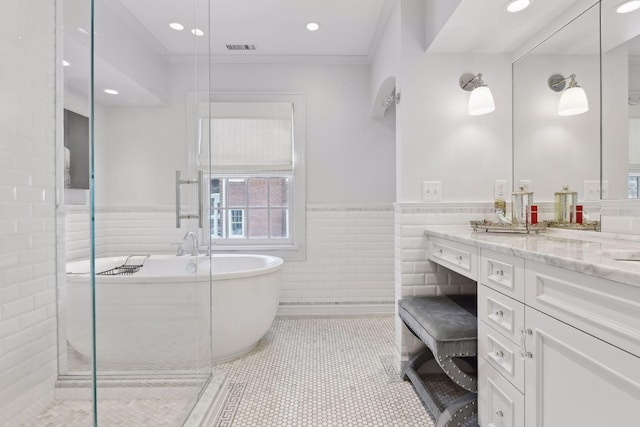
[{"x": 158, "y": 318}]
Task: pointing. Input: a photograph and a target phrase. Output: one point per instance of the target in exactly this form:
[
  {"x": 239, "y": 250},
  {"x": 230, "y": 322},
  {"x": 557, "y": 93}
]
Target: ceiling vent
[{"x": 241, "y": 47}]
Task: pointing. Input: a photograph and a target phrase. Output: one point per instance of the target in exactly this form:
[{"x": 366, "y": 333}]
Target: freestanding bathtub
[{"x": 158, "y": 318}]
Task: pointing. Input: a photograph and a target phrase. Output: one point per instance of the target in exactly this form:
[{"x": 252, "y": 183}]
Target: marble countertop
[{"x": 591, "y": 253}]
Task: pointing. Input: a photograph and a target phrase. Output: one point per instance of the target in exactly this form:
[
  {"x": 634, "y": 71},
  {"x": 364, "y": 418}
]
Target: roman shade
[{"x": 245, "y": 136}]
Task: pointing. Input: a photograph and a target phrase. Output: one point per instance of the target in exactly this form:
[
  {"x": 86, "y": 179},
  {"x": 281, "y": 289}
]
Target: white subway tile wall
[
  {"x": 620, "y": 217},
  {"x": 349, "y": 249},
  {"x": 414, "y": 274},
  {"x": 28, "y": 356}
]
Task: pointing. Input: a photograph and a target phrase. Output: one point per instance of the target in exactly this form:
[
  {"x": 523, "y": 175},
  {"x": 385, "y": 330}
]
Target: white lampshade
[
  {"x": 573, "y": 101},
  {"x": 481, "y": 101}
]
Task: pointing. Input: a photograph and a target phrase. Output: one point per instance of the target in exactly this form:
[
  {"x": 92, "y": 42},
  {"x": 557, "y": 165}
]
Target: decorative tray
[
  {"x": 588, "y": 225},
  {"x": 493, "y": 227}
]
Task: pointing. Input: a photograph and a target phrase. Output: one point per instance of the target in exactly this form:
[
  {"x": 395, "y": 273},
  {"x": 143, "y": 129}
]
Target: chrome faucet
[{"x": 195, "y": 246}]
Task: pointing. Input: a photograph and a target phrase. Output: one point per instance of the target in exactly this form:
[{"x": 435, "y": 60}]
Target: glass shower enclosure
[{"x": 135, "y": 303}]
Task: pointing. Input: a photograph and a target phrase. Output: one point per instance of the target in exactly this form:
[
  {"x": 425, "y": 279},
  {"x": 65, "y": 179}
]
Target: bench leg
[
  {"x": 417, "y": 360},
  {"x": 410, "y": 372},
  {"x": 457, "y": 412},
  {"x": 466, "y": 381}
]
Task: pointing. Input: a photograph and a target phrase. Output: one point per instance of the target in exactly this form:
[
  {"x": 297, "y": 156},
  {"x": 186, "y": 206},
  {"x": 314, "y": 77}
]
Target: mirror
[
  {"x": 620, "y": 102},
  {"x": 552, "y": 150}
]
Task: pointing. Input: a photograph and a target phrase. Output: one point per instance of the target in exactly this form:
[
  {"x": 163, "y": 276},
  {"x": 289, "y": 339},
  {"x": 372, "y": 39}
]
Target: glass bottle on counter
[
  {"x": 521, "y": 202},
  {"x": 564, "y": 206}
]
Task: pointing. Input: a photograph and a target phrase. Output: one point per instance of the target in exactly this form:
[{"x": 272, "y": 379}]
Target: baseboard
[{"x": 337, "y": 309}]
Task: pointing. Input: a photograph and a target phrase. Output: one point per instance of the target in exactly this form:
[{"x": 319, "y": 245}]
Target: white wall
[
  {"x": 437, "y": 12},
  {"x": 27, "y": 210},
  {"x": 386, "y": 61},
  {"x": 439, "y": 141},
  {"x": 349, "y": 154}
]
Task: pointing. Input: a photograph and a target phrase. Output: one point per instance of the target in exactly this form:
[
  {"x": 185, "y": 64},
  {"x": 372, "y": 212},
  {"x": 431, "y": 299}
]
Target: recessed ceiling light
[
  {"x": 111, "y": 91},
  {"x": 176, "y": 26},
  {"x": 65, "y": 63},
  {"x": 628, "y": 6},
  {"x": 197, "y": 32},
  {"x": 517, "y": 5},
  {"x": 313, "y": 26}
]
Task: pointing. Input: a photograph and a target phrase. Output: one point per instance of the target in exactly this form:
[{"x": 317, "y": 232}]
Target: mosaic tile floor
[
  {"x": 308, "y": 371},
  {"x": 114, "y": 413},
  {"x": 322, "y": 371}
]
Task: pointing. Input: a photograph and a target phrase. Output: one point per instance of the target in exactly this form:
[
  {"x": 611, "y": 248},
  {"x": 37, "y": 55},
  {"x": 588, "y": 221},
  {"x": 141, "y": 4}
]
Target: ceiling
[
  {"x": 486, "y": 27},
  {"x": 138, "y": 30},
  {"x": 276, "y": 27}
]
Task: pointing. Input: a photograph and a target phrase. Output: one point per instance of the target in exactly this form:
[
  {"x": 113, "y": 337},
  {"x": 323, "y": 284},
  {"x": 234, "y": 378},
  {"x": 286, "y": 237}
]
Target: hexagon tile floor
[
  {"x": 322, "y": 371},
  {"x": 308, "y": 371}
]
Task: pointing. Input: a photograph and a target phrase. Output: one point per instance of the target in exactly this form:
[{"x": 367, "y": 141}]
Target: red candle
[
  {"x": 534, "y": 214},
  {"x": 579, "y": 214}
]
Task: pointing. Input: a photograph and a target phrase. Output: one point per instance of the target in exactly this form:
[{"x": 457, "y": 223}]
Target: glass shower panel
[{"x": 152, "y": 277}]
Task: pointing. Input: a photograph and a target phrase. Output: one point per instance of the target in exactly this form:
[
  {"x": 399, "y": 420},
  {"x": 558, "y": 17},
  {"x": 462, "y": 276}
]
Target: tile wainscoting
[
  {"x": 349, "y": 254},
  {"x": 414, "y": 274}
]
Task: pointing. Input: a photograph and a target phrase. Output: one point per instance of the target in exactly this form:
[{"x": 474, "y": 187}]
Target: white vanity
[{"x": 559, "y": 325}]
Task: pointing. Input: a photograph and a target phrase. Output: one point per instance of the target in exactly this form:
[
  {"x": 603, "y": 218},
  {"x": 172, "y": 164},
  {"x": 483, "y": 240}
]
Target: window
[
  {"x": 253, "y": 208},
  {"x": 634, "y": 185},
  {"x": 252, "y": 148}
]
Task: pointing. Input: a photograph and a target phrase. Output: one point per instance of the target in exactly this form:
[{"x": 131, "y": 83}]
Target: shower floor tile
[
  {"x": 116, "y": 413},
  {"x": 322, "y": 371}
]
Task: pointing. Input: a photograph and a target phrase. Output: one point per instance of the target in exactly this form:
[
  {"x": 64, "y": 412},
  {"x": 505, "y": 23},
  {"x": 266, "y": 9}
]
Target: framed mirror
[
  {"x": 620, "y": 102},
  {"x": 553, "y": 144}
]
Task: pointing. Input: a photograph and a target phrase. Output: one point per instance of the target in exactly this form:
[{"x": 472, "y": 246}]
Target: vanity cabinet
[{"x": 557, "y": 347}]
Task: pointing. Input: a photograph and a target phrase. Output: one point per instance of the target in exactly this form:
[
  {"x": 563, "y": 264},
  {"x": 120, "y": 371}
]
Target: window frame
[{"x": 295, "y": 249}]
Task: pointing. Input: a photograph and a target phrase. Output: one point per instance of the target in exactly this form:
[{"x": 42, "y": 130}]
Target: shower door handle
[{"x": 179, "y": 215}]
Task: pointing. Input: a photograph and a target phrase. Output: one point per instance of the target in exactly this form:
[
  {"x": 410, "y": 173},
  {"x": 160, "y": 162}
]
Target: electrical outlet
[
  {"x": 592, "y": 190},
  {"x": 431, "y": 191},
  {"x": 526, "y": 183},
  {"x": 500, "y": 189}
]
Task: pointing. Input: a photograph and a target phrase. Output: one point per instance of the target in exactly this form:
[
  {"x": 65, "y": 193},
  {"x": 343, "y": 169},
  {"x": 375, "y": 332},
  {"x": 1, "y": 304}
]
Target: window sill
[{"x": 286, "y": 252}]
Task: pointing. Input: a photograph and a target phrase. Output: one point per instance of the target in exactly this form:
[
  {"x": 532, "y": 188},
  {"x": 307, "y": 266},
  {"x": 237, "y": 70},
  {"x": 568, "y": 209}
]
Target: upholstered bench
[{"x": 449, "y": 328}]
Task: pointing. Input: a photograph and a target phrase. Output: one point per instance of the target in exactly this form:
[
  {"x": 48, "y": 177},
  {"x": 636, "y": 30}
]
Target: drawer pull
[
  {"x": 499, "y": 274},
  {"x": 499, "y": 414},
  {"x": 459, "y": 258},
  {"x": 527, "y": 355},
  {"x": 499, "y": 354},
  {"x": 499, "y": 313}
]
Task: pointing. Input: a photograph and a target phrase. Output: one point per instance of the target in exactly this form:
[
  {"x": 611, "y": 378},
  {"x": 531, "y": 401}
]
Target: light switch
[{"x": 431, "y": 191}]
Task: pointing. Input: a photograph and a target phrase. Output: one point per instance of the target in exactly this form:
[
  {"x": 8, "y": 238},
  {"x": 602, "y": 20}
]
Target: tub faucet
[{"x": 195, "y": 246}]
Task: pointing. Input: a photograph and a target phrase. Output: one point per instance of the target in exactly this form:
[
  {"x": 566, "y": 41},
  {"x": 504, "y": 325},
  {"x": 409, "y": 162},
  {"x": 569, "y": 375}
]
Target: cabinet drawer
[
  {"x": 502, "y": 354},
  {"x": 504, "y": 273},
  {"x": 502, "y": 313},
  {"x": 603, "y": 308},
  {"x": 500, "y": 404},
  {"x": 455, "y": 256}
]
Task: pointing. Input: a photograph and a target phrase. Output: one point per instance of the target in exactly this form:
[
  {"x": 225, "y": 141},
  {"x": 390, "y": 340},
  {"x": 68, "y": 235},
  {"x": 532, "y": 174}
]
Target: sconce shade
[
  {"x": 481, "y": 101},
  {"x": 573, "y": 101}
]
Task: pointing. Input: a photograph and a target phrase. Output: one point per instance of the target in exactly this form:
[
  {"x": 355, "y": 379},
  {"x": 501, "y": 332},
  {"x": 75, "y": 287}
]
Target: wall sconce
[
  {"x": 393, "y": 98},
  {"x": 481, "y": 99},
  {"x": 573, "y": 100}
]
